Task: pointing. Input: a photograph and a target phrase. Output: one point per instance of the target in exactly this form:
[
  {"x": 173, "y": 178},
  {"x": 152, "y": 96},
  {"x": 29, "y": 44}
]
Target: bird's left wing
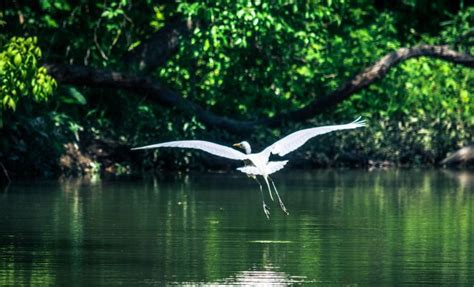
[
  {"x": 212, "y": 148},
  {"x": 299, "y": 138}
]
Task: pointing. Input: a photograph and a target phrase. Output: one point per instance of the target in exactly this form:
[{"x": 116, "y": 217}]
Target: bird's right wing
[
  {"x": 299, "y": 138},
  {"x": 212, "y": 148}
]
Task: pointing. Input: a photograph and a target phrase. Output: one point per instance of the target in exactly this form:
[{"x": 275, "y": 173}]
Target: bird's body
[
  {"x": 258, "y": 164},
  {"x": 259, "y": 161}
]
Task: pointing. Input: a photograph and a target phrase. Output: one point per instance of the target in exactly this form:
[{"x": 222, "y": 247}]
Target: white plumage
[
  {"x": 272, "y": 166},
  {"x": 210, "y": 147},
  {"x": 295, "y": 140},
  {"x": 257, "y": 163}
]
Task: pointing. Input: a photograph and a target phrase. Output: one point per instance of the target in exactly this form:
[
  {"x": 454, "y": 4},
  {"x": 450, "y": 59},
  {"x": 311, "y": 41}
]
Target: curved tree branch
[
  {"x": 79, "y": 75},
  {"x": 376, "y": 71},
  {"x": 86, "y": 76}
]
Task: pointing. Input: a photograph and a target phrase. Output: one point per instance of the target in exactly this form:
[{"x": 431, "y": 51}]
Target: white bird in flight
[{"x": 258, "y": 164}]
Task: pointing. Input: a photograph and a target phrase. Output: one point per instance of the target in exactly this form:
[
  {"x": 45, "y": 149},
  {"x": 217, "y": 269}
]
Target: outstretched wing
[
  {"x": 299, "y": 138},
  {"x": 212, "y": 148}
]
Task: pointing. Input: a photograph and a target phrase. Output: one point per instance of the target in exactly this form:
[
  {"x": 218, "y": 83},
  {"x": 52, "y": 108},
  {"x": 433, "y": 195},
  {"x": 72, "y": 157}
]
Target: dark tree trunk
[{"x": 155, "y": 51}]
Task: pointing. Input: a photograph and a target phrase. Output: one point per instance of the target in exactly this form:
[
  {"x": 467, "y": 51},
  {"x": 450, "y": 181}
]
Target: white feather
[
  {"x": 270, "y": 168},
  {"x": 212, "y": 148},
  {"x": 299, "y": 138},
  {"x": 249, "y": 169}
]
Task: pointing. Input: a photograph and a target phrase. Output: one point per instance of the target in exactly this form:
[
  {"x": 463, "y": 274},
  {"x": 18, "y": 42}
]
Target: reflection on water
[
  {"x": 263, "y": 278},
  {"x": 464, "y": 177},
  {"x": 345, "y": 227}
]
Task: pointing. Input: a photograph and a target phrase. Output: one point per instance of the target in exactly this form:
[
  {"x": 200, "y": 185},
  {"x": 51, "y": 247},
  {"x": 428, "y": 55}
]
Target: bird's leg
[
  {"x": 269, "y": 189},
  {"x": 279, "y": 199},
  {"x": 265, "y": 207}
]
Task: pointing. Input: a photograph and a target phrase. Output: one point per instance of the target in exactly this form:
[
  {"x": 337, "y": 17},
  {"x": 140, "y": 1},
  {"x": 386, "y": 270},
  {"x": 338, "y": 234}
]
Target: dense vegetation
[{"x": 83, "y": 82}]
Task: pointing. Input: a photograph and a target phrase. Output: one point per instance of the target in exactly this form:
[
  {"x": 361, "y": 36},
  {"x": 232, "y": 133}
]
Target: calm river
[{"x": 345, "y": 227}]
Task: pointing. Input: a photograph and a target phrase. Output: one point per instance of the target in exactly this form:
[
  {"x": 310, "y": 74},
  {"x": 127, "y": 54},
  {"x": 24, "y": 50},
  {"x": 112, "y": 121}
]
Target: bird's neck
[{"x": 248, "y": 149}]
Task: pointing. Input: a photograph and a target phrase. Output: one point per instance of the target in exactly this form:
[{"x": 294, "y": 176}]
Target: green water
[{"x": 344, "y": 228}]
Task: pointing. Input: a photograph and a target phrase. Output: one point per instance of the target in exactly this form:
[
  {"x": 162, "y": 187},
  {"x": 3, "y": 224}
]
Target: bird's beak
[{"x": 237, "y": 145}]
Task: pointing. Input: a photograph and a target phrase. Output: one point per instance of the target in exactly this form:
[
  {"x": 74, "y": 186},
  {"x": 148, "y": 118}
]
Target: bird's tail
[
  {"x": 270, "y": 168},
  {"x": 359, "y": 122}
]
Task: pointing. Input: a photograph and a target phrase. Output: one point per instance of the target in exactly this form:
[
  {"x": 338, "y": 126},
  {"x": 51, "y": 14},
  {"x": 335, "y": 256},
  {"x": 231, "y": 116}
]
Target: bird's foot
[
  {"x": 284, "y": 208},
  {"x": 267, "y": 211}
]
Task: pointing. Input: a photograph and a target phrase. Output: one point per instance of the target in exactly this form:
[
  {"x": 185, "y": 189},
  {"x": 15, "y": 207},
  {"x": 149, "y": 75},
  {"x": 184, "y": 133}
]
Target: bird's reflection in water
[
  {"x": 263, "y": 278},
  {"x": 269, "y": 274}
]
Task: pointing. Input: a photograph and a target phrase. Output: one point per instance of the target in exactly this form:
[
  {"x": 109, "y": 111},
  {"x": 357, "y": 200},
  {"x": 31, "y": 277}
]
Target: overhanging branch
[
  {"x": 80, "y": 75},
  {"x": 86, "y": 76},
  {"x": 376, "y": 71}
]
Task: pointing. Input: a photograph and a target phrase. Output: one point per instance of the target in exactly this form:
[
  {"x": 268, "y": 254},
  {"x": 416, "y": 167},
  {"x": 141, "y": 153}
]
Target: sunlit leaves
[
  {"x": 20, "y": 75},
  {"x": 114, "y": 9},
  {"x": 158, "y": 20},
  {"x": 251, "y": 55}
]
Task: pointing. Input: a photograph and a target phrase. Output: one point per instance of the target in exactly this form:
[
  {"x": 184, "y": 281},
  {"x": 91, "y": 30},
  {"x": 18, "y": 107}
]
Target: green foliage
[
  {"x": 270, "y": 54},
  {"x": 247, "y": 60},
  {"x": 2, "y": 22},
  {"x": 258, "y": 60},
  {"x": 158, "y": 20},
  {"x": 422, "y": 109},
  {"x": 20, "y": 74},
  {"x": 457, "y": 29}
]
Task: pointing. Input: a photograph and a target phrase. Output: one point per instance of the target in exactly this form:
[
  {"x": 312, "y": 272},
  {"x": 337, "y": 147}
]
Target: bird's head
[{"x": 245, "y": 146}]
